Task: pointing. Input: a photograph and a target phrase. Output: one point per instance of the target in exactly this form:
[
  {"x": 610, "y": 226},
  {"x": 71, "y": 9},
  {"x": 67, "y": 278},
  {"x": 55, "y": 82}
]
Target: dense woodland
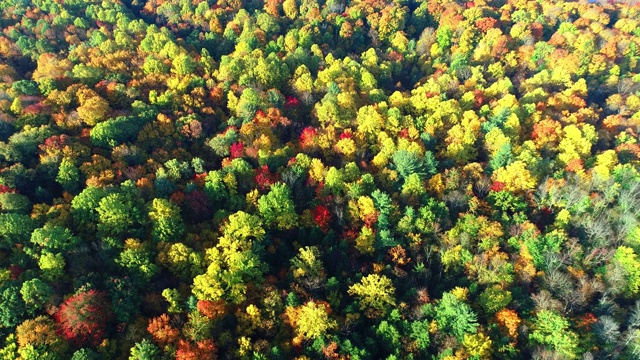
[{"x": 311, "y": 179}]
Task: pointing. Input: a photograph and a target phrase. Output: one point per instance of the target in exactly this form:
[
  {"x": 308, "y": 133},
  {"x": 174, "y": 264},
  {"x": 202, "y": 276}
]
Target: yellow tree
[
  {"x": 375, "y": 294},
  {"x": 93, "y": 110},
  {"x": 369, "y": 121},
  {"x": 461, "y": 138},
  {"x": 310, "y": 321},
  {"x": 576, "y": 142},
  {"x": 515, "y": 177}
]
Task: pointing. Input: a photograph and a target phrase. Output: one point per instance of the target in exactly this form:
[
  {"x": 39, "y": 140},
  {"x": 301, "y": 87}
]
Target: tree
[
  {"x": 68, "y": 175},
  {"x": 198, "y": 328},
  {"x": 52, "y": 265},
  {"x": 125, "y": 297},
  {"x": 144, "y": 350},
  {"x": 113, "y": 132},
  {"x": 494, "y": 298},
  {"x": 455, "y": 317},
  {"x": 15, "y": 228},
  {"x": 94, "y": 110},
  {"x": 509, "y": 321},
  {"x": 234, "y": 261},
  {"x": 627, "y": 260},
  {"x": 370, "y": 122},
  {"x": 243, "y": 226},
  {"x": 551, "y": 330},
  {"x": 408, "y": 162},
  {"x": 183, "y": 261},
  {"x": 310, "y": 320},
  {"x": 161, "y": 331},
  {"x": 515, "y": 177},
  {"x": 35, "y": 294},
  {"x": 420, "y": 334},
  {"x": 277, "y": 208},
  {"x": 14, "y": 203},
  {"x": 119, "y": 216},
  {"x": 11, "y": 305},
  {"x": 248, "y": 104},
  {"x": 83, "y": 318},
  {"x": 83, "y": 209},
  {"x": 22, "y": 146},
  {"x": 307, "y": 268},
  {"x": 138, "y": 264},
  {"x": 478, "y": 345},
  {"x": 375, "y": 294},
  {"x": 389, "y": 336},
  {"x": 25, "y": 87},
  {"x": 183, "y": 64},
  {"x": 40, "y": 333},
  {"x": 205, "y": 350},
  {"x": 166, "y": 222},
  {"x": 85, "y": 354},
  {"x": 54, "y": 238},
  {"x": 290, "y": 8}
]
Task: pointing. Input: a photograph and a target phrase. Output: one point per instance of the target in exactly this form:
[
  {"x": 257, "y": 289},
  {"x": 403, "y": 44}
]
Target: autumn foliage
[
  {"x": 307, "y": 179},
  {"x": 83, "y": 318}
]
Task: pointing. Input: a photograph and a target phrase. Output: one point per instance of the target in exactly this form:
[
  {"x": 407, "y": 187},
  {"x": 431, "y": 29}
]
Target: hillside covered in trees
[{"x": 319, "y": 179}]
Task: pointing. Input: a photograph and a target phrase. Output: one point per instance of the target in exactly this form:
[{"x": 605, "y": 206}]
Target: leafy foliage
[{"x": 319, "y": 179}]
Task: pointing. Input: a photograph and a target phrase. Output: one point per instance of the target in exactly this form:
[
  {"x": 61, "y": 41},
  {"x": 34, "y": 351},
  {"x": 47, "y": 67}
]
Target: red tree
[
  {"x": 83, "y": 318},
  {"x": 6, "y": 189},
  {"x": 196, "y": 206},
  {"x": 202, "y": 350},
  {"x": 308, "y": 137},
  {"x": 237, "y": 150},
  {"x": 162, "y": 331},
  {"x": 321, "y": 216},
  {"x": 264, "y": 179},
  {"x": 211, "y": 309}
]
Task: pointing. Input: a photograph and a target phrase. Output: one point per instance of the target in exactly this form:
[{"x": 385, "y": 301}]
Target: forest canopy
[{"x": 319, "y": 179}]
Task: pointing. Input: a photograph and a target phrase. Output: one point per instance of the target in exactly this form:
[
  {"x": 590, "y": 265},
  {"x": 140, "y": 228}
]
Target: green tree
[
  {"x": 494, "y": 299},
  {"x": 408, "y": 162},
  {"x": 11, "y": 305},
  {"x": 234, "y": 261},
  {"x": 389, "y": 337},
  {"x": 125, "y": 296},
  {"x": 35, "y": 294},
  {"x": 166, "y": 222},
  {"x": 53, "y": 237},
  {"x": 83, "y": 209},
  {"x": 68, "y": 175},
  {"x": 551, "y": 330},
  {"x": 52, "y": 265},
  {"x": 173, "y": 297},
  {"x": 138, "y": 264},
  {"x": 277, "y": 208},
  {"x": 15, "y": 228},
  {"x": 420, "y": 334},
  {"x": 443, "y": 37},
  {"x": 119, "y": 216},
  {"x": 85, "y": 354},
  {"x": 627, "y": 260},
  {"x": 25, "y": 87},
  {"x": 144, "y": 350},
  {"x": 455, "y": 317},
  {"x": 14, "y": 203},
  {"x": 248, "y": 104},
  {"x": 183, "y": 64}
]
